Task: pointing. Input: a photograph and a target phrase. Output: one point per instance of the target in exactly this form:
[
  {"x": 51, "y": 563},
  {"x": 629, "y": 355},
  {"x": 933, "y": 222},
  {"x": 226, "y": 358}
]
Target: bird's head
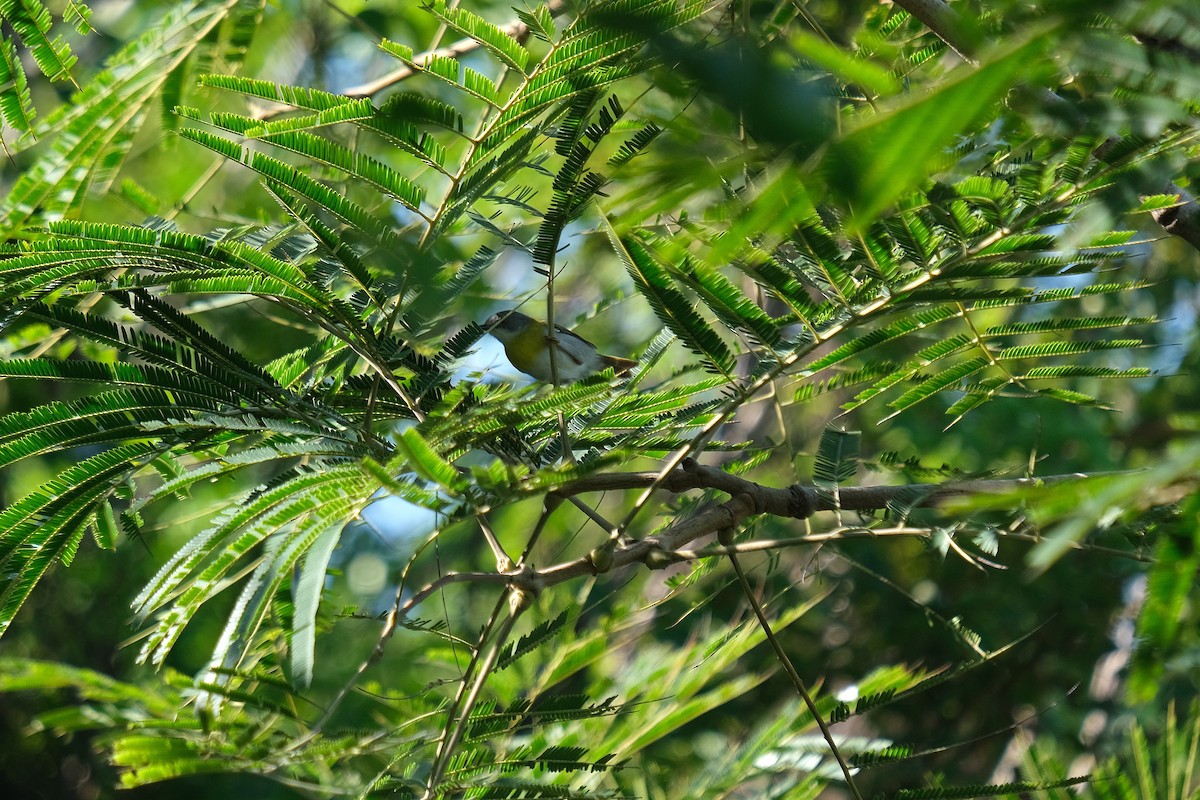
[{"x": 507, "y": 324}]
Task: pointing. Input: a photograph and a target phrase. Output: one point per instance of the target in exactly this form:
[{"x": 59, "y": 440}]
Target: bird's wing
[{"x": 574, "y": 346}]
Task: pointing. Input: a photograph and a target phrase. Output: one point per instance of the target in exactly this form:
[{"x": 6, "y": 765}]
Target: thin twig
[
  {"x": 391, "y": 623},
  {"x": 479, "y": 669},
  {"x": 956, "y": 630},
  {"x": 549, "y": 506},
  {"x": 592, "y": 514},
  {"x": 503, "y": 562},
  {"x": 793, "y": 674}
]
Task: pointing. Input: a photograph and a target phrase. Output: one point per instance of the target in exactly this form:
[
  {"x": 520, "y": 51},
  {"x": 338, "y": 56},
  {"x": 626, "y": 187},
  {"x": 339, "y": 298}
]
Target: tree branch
[
  {"x": 803, "y": 501},
  {"x": 840, "y": 534},
  {"x": 749, "y": 498}
]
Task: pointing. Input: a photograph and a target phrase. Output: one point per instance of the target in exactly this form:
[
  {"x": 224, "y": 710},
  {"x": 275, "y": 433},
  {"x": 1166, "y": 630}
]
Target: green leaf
[
  {"x": 298, "y": 96},
  {"x": 848, "y": 69},
  {"x": 47, "y": 525},
  {"x": 95, "y": 131},
  {"x": 105, "y": 528},
  {"x": 494, "y": 40},
  {"x": 305, "y": 506},
  {"x": 32, "y": 22},
  {"x": 940, "y": 382},
  {"x": 309, "y": 588},
  {"x": 837, "y": 458},
  {"x": 671, "y": 305},
  {"x": 16, "y": 103},
  {"x": 426, "y": 461},
  {"x": 1168, "y": 590}
]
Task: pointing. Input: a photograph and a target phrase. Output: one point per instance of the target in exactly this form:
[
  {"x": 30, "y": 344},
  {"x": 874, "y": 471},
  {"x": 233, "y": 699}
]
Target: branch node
[
  {"x": 523, "y": 586},
  {"x": 525, "y": 581},
  {"x": 601, "y": 557},
  {"x": 800, "y": 505},
  {"x": 741, "y": 506},
  {"x": 519, "y": 599}
]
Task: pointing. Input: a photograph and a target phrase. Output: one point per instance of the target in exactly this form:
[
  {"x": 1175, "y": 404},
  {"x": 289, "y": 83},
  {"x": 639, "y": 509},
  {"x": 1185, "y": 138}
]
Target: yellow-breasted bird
[{"x": 528, "y": 348}]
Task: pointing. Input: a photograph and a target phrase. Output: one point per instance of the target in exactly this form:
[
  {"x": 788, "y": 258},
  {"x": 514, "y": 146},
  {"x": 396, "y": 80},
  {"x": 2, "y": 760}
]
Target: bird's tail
[{"x": 621, "y": 366}]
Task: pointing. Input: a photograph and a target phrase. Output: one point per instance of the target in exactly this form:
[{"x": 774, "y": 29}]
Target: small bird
[{"x": 528, "y": 348}]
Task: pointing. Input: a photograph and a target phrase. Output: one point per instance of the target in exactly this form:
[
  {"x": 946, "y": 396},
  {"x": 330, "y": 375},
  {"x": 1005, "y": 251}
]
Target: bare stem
[{"x": 793, "y": 674}]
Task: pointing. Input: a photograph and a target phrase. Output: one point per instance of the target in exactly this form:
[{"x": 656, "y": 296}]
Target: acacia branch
[
  {"x": 857, "y": 532},
  {"x": 803, "y": 501},
  {"x": 748, "y": 499}
]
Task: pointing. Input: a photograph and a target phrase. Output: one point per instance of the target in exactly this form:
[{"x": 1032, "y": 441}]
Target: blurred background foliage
[{"x": 744, "y": 92}]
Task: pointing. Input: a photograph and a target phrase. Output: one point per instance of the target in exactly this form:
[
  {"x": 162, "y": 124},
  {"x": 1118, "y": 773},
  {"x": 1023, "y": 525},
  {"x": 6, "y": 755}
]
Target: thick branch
[
  {"x": 749, "y": 498},
  {"x": 802, "y": 501}
]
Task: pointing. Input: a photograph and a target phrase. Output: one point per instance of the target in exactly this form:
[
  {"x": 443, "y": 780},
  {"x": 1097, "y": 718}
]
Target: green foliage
[
  {"x": 847, "y": 225},
  {"x": 1165, "y": 768},
  {"x": 31, "y": 21},
  {"x": 90, "y": 137}
]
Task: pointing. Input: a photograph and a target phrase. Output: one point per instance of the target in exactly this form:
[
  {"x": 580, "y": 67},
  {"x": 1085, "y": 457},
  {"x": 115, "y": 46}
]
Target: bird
[{"x": 527, "y": 346}]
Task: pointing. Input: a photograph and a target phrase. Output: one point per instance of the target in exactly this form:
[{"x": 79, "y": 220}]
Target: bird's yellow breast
[{"x": 529, "y": 351}]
